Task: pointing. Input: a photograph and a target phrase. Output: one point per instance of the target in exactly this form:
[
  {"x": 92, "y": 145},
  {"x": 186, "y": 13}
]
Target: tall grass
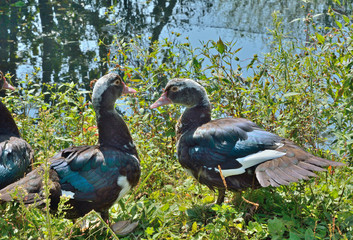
[{"x": 300, "y": 90}]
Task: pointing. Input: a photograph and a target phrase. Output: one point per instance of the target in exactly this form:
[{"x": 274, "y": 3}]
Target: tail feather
[
  {"x": 30, "y": 189},
  {"x": 297, "y": 164}
]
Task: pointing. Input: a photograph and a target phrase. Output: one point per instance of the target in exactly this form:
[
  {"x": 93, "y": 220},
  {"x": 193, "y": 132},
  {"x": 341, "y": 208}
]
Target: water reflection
[{"x": 62, "y": 38}]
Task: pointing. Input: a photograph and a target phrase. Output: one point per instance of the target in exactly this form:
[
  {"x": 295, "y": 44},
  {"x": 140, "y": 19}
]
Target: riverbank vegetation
[{"x": 302, "y": 90}]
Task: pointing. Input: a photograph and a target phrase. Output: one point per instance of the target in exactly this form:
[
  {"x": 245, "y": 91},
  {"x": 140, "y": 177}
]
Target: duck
[
  {"x": 232, "y": 153},
  {"x": 16, "y": 154},
  {"x": 92, "y": 177}
]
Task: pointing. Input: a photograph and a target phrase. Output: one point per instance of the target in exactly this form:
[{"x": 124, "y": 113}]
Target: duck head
[
  {"x": 107, "y": 90},
  {"x": 186, "y": 92}
]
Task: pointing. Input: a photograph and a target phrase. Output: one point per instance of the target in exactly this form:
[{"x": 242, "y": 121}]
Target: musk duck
[
  {"x": 93, "y": 177},
  {"x": 15, "y": 153},
  {"x": 232, "y": 153}
]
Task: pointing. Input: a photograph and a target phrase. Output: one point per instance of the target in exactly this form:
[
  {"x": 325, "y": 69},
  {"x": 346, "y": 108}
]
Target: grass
[{"x": 300, "y": 90}]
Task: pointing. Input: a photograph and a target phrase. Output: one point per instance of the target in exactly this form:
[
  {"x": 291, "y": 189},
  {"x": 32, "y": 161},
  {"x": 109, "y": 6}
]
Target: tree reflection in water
[{"x": 62, "y": 38}]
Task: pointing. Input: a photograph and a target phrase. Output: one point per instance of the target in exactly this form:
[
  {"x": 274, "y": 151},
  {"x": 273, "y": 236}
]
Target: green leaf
[
  {"x": 338, "y": 24},
  {"x": 165, "y": 207},
  {"x": 196, "y": 64},
  {"x": 290, "y": 94},
  {"x": 226, "y": 80},
  {"x": 297, "y": 19},
  {"x": 170, "y": 133},
  {"x": 63, "y": 139},
  {"x": 317, "y": 15},
  {"x": 293, "y": 236},
  {"x": 276, "y": 227},
  {"x": 194, "y": 227},
  {"x": 320, "y": 38},
  {"x": 182, "y": 208},
  {"x": 208, "y": 199},
  {"x": 18, "y": 4},
  {"x": 237, "y": 50},
  {"x": 345, "y": 18},
  {"x": 149, "y": 230},
  {"x": 220, "y": 46},
  {"x": 309, "y": 234},
  {"x": 83, "y": 92}
]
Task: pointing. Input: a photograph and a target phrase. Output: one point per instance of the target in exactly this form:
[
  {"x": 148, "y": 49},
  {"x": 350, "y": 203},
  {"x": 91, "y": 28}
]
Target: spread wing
[
  {"x": 235, "y": 145},
  {"x": 295, "y": 165}
]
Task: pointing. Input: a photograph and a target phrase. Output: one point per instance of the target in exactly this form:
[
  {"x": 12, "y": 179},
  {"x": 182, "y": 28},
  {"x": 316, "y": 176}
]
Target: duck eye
[
  {"x": 117, "y": 82},
  {"x": 174, "y": 89}
]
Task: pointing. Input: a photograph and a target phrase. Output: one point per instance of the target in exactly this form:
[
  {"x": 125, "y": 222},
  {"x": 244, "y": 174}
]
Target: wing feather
[
  {"x": 238, "y": 144},
  {"x": 263, "y": 178},
  {"x": 221, "y": 142},
  {"x": 297, "y": 164},
  {"x": 276, "y": 177}
]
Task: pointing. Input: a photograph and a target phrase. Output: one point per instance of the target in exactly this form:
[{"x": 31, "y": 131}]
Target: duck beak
[
  {"x": 127, "y": 90},
  {"x": 7, "y": 85},
  {"x": 163, "y": 100}
]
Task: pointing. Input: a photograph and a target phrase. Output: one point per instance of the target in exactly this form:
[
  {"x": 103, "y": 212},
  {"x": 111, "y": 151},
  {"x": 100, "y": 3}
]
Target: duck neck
[
  {"x": 113, "y": 131},
  {"x": 7, "y": 123},
  {"x": 193, "y": 117}
]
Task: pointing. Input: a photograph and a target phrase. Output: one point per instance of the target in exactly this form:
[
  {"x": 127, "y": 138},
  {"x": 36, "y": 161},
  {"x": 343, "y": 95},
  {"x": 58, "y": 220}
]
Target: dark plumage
[
  {"x": 15, "y": 153},
  {"x": 94, "y": 177},
  {"x": 233, "y": 149}
]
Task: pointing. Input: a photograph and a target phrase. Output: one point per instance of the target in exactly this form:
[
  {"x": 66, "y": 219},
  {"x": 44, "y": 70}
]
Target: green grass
[{"x": 300, "y": 90}]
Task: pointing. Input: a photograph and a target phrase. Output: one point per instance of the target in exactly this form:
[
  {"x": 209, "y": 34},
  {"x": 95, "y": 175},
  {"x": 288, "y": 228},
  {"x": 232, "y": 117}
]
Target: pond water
[{"x": 61, "y": 38}]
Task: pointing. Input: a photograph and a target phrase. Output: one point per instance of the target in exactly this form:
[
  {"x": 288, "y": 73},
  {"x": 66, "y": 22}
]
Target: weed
[{"x": 300, "y": 90}]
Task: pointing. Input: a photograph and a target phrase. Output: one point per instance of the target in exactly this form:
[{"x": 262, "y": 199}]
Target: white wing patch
[
  {"x": 279, "y": 145},
  {"x": 251, "y": 160},
  {"x": 125, "y": 186}
]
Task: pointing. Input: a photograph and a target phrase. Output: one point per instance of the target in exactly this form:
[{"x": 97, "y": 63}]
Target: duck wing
[
  {"x": 231, "y": 144},
  {"x": 83, "y": 173},
  {"x": 235, "y": 145},
  {"x": 92, "y": 173},
  {"x": 15, "y": 157},
  {"x": 295, "y": 165}
]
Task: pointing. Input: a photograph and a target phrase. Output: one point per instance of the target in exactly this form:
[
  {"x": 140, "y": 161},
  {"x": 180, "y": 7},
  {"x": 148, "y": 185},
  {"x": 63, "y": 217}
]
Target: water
[{"x": 61, "y": 38}]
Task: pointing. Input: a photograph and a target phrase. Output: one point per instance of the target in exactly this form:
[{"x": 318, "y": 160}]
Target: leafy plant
[{"x": 300, "y": 90}]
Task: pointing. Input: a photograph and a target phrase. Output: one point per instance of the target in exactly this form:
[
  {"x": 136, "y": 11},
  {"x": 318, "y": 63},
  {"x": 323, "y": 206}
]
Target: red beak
[
  {"x": 163, "y": 100},
  {"x": 128, "y": 90},
  {"x": 7, "y": 85}
]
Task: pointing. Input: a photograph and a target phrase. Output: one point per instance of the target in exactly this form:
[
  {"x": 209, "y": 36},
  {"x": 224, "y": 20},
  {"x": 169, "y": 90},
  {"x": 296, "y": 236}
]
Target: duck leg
[{"x": 221, "y": 196}]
